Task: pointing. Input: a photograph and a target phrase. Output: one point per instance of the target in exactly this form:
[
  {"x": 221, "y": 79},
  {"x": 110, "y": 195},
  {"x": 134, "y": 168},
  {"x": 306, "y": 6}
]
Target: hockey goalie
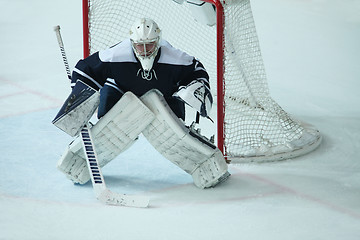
[{"x": 140, "y": 86}]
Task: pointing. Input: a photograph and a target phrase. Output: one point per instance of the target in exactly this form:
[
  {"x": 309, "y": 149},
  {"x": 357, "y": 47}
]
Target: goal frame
[{"x": 219, "y": 61}]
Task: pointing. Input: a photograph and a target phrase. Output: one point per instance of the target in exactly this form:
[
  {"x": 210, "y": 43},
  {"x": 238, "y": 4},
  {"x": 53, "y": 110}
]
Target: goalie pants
[{"x": 110, "y": 95}]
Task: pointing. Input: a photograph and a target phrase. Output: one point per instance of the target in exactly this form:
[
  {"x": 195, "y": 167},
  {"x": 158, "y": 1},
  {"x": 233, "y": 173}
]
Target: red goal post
[{"x": 251, "y": 126}]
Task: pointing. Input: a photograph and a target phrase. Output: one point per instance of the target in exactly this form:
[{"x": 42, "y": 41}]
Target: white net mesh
[
  {"x": 254, "y": 122},
  {"x": 256, "y": 128}
]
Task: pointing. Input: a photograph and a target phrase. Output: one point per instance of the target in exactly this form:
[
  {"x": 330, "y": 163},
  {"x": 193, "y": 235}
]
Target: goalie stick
[
  {"x": 102, "y": 193},
  {"x": 62, "y": 49}
]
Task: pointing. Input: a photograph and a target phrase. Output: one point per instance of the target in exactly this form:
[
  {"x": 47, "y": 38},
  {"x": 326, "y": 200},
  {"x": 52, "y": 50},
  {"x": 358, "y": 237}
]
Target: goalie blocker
[
  {"x": 77, "y": 109},
  {"x": 152, "y": 116}
]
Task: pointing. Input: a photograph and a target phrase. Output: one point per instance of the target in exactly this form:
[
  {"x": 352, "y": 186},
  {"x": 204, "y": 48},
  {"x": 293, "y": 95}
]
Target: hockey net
[{"x": 251, "y": 125}]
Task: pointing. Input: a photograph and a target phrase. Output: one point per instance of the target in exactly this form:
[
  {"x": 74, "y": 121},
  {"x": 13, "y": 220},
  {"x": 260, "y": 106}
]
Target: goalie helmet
[{"x": 145, "y": 39}]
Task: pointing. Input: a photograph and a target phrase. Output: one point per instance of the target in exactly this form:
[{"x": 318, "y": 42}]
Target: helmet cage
[{"x": 145, "y": 49}]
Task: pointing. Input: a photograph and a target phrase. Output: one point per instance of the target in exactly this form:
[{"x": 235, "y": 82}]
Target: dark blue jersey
[{"x": 119, "y": 69}]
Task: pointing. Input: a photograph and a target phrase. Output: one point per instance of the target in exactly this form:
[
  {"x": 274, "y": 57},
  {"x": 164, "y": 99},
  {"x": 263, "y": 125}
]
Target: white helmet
[{"x": 145, "y": 38}]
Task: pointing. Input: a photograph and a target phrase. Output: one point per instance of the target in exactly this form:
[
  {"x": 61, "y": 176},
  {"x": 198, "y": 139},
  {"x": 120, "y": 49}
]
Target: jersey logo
[
  {"x": 199, "y": 93},
  {"x": 147, "y": 75}
]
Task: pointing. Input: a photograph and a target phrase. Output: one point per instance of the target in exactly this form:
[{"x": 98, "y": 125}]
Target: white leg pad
[
  {"x": 183, "y": 147},
  {"x": 113, "y": 134}
]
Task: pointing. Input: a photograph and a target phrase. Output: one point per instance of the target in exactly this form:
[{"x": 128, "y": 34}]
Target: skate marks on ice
[{"x": 17, "y": 99}]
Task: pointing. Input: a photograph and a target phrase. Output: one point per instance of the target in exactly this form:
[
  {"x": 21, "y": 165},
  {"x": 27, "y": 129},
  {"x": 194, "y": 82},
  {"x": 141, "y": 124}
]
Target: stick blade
[{"x": 111, "y": 198}]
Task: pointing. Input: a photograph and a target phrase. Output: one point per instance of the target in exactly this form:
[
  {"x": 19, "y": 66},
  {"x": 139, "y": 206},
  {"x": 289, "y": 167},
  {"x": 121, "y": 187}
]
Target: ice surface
[{"x": 312, "y": 53}]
